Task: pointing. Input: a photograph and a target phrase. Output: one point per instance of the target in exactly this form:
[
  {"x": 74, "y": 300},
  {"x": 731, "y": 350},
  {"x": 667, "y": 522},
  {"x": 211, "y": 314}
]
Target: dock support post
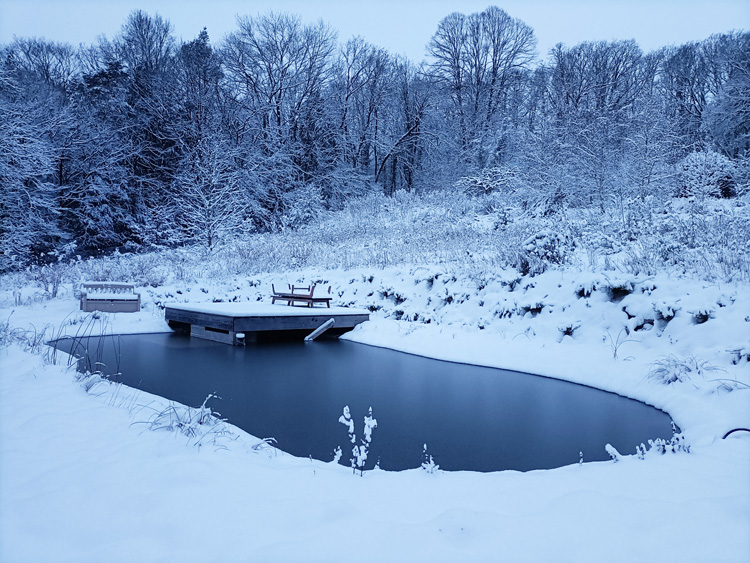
[{"x": 320, "y": 330}]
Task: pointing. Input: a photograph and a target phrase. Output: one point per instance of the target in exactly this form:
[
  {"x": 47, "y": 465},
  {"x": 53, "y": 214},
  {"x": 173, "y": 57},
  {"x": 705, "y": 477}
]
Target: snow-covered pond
[{"x": 471, "y": 418}]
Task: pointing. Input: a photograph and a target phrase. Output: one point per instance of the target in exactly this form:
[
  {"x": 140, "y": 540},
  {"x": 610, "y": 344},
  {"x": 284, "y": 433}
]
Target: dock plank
[
  {"x": 243, "y": 324},
  {"x": 198, "y": 318}
]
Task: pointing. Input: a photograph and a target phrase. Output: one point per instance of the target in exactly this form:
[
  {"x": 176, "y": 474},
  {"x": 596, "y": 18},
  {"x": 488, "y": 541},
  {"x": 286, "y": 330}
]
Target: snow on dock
[{"x": 237, "y": 323}]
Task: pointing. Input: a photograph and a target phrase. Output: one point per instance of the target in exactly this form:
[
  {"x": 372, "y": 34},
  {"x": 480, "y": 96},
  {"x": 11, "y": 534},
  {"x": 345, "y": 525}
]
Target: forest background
[{"x": 143, "y": 143}]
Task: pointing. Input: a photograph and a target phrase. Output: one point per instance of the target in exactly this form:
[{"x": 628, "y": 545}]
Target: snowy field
[{"x": 83, "y": 479}]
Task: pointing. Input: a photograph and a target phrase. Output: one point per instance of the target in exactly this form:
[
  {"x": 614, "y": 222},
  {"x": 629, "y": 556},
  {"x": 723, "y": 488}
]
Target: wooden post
[{"x": 320, "y": 330}]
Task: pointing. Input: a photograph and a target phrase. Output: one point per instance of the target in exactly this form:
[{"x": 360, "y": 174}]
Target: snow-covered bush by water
[
  {"x": 361, "y": 450},
  {"x": 673, "y": 369},
  {"x": 201, "y": 426}
]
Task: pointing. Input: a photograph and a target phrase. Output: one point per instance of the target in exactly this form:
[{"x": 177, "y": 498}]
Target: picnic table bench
[
  {"x": 302, "y": 295},
  {"x": 112, "y": 297}
]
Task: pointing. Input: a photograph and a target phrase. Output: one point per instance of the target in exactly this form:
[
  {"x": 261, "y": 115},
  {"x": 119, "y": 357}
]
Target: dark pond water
[{"x": 471, "y": 418}]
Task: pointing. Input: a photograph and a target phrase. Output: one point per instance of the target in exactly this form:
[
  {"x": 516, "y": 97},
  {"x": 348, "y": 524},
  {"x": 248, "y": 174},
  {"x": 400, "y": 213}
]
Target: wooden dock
[{"x": 238, "y": 323}]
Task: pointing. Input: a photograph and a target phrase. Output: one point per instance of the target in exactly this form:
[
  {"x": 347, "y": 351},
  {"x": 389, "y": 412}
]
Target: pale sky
[{"x": 401, "y": 26}]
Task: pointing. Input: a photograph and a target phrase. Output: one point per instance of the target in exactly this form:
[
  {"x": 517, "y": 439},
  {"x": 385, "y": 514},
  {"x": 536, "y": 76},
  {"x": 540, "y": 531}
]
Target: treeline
[{"x": 141, "y": 141}]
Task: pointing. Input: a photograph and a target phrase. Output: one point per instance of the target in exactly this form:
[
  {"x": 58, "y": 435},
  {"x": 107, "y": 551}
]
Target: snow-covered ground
[{"x": 82, "y": 480}]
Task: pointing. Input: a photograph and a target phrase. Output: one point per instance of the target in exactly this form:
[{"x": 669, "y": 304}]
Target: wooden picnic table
[{"x": 302, "y": 295}]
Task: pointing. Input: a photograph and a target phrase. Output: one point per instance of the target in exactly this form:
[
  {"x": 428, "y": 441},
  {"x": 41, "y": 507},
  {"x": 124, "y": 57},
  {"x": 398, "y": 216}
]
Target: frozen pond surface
[{"x": 471, "y": 418}]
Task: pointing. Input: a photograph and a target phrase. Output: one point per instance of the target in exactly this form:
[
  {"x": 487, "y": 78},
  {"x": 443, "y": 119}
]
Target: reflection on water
[{"x": 472, "y": 418}]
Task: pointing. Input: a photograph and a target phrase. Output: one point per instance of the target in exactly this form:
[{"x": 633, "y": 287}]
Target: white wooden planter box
[{"x": 111, "y": 297}]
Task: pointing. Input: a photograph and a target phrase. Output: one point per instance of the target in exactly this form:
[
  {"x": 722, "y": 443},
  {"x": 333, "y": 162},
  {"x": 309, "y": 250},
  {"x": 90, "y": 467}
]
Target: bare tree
[
  {"x": 404, "y": 143},
  {"x": 447, "y": 48},
  {"x": 593, "y": 88},
  {"x": 276, "y": 66},
  {"x": 360, "y": 83},
  {"x": 197, "y": 81},
  {"x": 28, "y": 200},
  {"x": 475, "y": 58},
  {"x": 727, "y": 115},
  {"x": 276, "y": 70},
  {"x": 51, "y": 64},
  {"x": 146, "y": 43},
  {"x": 210, "y": 200}
]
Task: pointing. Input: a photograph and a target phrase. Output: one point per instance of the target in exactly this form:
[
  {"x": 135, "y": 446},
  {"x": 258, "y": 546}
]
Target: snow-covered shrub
[
  {"x": 200, "y": 425},
  {"x": 510, "y": 279},
  {"x": 706, "y": 174},
  {"x": 110, "y": 268},
  {"x": 428, "y": 464},
  {"x": 302, "y": 206},
  {"x": 32, "y": 340},
  {"x": 531, "y": 307},
  {"x": 665, "y": 311},
  {"x": 586, "y": 288},
  {"x": 742, "y": 175},
  {"x": 6, "y": 333},
  {"x": 645, "y": 258},
  {"x": 505, "y": 310},
  {"x": 616, "y": 343},
  {"x": 543, "y": 249},
  {"x": 741, "y": 355},
  {"x": 568, "y": 329},
  {"x": 359, "y": 451},
  {"x": 50, "y": 277},
  {"x": 613, "y": 453},
  {"x": 673, "y": 369},
  {"x": 392, "y": 295},
  {"x": 618, "y": 288},
  {"x": 489, "y": 180},
  {"x": 637, "y": 218},
  {"x": 502, "y": 218},
  {"x": 701, "y": 315},
  {"x": 147, "y": 270},
  {"x": 677, "y": 443},
  {"x": 27, "y": 339},
  {"x": 640, "y": 315},
  {"x": 344, "y": 184}
]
